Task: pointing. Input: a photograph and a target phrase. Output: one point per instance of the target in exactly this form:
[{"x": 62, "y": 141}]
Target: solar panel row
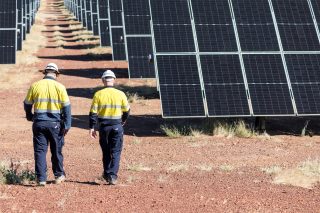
[
  {"x": 236, "y": 57},
  {"x": 220, "y": 57},
  {"x": 13, "y": 26}
]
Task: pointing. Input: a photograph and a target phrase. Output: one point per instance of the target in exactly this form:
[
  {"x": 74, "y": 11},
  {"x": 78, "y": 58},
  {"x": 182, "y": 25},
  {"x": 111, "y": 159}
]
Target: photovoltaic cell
[
  {"x": 224, "y": 85},
  {"x": 296, "y": 27},
  {"x": 305, "y": 80},
  {"x": 215, "y": 32},
  {"x": 268, "y": 86},
  {"x": 255, "y": 25},
  {"x": 180, "y": 88}
]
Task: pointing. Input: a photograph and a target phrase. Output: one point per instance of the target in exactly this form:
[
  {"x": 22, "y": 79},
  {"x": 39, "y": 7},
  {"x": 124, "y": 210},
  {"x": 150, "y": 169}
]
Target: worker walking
[
  {"x": 51, "y": 122},
  {"x": 110, "y": 109}
]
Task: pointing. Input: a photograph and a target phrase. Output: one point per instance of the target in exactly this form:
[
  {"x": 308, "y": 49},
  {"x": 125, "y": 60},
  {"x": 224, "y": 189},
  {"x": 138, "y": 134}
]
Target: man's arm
[
  {"x": 93, "y": 117},
  {"x": 28, "y": 103},
  {"x": 66, "y": 112},
  {"x": 28, "y": 110}
]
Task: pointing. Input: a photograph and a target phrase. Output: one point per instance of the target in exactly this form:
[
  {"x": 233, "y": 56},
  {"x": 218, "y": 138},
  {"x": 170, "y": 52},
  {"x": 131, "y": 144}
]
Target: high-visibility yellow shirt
[
  {"x": 109, "y": 103},
  {"x": 50, "y": 101},
  {"x": 47, "y": 96}
]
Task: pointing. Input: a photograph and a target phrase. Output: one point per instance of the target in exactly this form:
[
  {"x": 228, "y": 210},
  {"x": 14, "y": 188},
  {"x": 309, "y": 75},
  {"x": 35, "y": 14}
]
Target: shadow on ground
[
  {"x": 87, "y": 57},
  {"x": 94, "y": 73},
  {"x": 147, "y": 92},
  {"x": 137, "y": 125}
]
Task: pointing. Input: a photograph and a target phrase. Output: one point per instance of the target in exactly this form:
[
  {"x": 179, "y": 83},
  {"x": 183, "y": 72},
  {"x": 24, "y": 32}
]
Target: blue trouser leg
[
  {"x": 44, "y": 133},
  {"x": 111, "y": 142},
  {"x": 40, "y": 146},
  {"x": 56, "y": 139}
]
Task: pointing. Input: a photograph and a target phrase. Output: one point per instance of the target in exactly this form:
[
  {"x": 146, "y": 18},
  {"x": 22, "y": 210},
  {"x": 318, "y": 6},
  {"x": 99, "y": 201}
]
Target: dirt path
[{"x": 158, "y": 174}]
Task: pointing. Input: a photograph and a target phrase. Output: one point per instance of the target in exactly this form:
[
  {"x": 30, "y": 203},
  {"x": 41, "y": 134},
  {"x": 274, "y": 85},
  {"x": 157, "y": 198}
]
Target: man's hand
[
  {"x": 65, "y": 132},
  {"x": 93, "y": 133},
  {"x": 29, "y": 117}
]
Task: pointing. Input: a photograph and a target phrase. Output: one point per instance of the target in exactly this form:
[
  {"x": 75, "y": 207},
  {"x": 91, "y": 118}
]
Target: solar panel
[
  {"x": 7, "y": 46},
  {"x": 268, "y": 85},
  {"x": 296, "y": 26},
  {"x": 140, "y": 54},
  {"x": 79, "y": 10},
  {"x": 105, "y": 33},
  {"x": 103, "y": 9},
  {"x": 24, "y": 25},
  {"x": 28, "y": 16},
  {"x": 138, "y": 38},
  {"x": 19, "y": 25},
  {"x": 180, "y": 87},
  {"x": 8, "y": 14},
  {"x": 8, "y": 26},
  {"x": 213, "y": 23},
  {"x": 95, "y": 17},
  {"x": 137, "y": 17},
  {"x": 84, "y": 13},
  {"x": 118, "y": 45},
  {"x": 104, "y": 24},
  {"x": 172, "y": 32},
  {"x": 88, "y": 15},
  {"x": 255, "y": 25},
  {"x": 224, "y": 86},
  {"x": 117, "y": 30},
  {"x": 305, "y": 80}
]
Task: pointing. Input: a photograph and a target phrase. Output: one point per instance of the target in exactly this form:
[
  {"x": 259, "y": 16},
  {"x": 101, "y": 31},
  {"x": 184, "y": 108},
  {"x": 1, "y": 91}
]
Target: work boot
[
  {"x": 42, "y": 183},
  {"x": 60, "y": 179}
]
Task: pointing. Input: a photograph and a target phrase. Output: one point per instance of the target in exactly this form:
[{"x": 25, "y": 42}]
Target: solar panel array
[
  {"x": 14, "y": 18},
  {"x": 220, "y": 58}
]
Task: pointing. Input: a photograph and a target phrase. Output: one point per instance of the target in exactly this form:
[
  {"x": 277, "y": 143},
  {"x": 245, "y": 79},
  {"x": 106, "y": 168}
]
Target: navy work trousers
[
  {"x": 111, "y": 141},
  {"x": 45, "y": 133}
]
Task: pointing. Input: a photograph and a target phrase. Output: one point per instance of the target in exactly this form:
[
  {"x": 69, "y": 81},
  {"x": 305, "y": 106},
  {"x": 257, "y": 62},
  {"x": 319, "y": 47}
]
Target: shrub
[{"x": 13, "y": 175}]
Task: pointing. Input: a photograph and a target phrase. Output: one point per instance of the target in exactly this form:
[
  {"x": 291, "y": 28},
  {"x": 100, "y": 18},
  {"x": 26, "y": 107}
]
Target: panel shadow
[{"x": 137, "y": 125}]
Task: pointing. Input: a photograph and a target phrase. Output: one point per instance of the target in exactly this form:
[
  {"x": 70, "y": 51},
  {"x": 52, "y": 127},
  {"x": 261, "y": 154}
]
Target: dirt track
[{"x": 158, "y": 174}]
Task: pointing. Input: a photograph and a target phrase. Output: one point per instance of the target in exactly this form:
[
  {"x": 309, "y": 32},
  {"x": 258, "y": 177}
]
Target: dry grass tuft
[
  {"x": 272, "y": 170},
  {"x": 305, "y": 175},
  {"x": 226, "y": 167},
  {"x": 238, "y": 129},
  {"x": 172, "y": 132},
  {"x": 178, "y": 168},
  {"x": 195, "y": 132},
  {"x": 138, "y": 168},
  {"x": 99, "y": 51},
  {"x": 204, "y": 167}
]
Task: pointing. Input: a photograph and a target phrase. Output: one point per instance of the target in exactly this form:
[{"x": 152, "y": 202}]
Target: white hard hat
[
  {"x": 52, "y": 66},
  {"x": 108, "y": 73}
]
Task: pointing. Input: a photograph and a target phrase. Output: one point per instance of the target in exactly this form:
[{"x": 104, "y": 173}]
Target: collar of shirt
[{"x": 49, "y": 77}]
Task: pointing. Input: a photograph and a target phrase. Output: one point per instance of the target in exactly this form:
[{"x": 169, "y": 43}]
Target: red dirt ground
[{"x": 158, "y": 173}]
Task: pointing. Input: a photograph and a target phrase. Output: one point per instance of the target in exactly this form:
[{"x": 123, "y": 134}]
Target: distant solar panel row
[{"x": 16, "y": 18}]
